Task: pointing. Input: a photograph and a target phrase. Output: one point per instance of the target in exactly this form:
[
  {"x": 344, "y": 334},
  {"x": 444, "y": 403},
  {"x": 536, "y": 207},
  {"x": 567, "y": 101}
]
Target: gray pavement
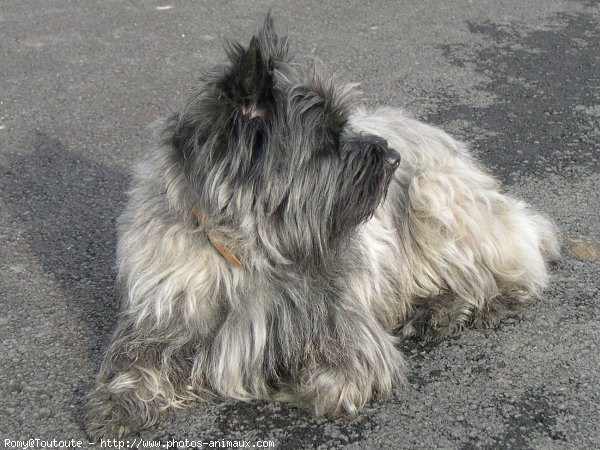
[{"x": 520, "y": 81}]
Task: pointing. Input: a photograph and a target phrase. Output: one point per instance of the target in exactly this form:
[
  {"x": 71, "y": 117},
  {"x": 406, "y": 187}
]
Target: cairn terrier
[{"x": 280, "y": 238}]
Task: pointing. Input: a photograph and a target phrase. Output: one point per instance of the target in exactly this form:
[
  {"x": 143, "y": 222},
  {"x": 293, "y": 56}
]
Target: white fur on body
[
  {"x": 461, "y": 234},
  {"x": 443, "y": 228}
]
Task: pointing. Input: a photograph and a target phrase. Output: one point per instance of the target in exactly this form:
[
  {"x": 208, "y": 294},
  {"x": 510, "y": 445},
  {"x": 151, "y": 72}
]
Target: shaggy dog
[{"x": 279, "y": 237}]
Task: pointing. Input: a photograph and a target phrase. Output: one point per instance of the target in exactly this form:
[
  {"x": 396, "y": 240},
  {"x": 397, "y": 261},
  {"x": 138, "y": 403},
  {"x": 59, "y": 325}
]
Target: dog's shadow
[{"x": 66, "y": 205}]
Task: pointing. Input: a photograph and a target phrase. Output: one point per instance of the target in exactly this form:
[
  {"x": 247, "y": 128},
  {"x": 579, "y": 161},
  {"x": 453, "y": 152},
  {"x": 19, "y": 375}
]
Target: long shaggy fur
[{"x": 353, "y": 226}]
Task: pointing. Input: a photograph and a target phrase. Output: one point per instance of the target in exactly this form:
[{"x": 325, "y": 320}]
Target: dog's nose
[{"x": 392, "y": 157}]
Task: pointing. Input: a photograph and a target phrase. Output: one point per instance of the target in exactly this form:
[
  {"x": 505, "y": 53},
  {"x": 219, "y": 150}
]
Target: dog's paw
[
  {"x": 437, "y": 320},
  {"x": 329, "y": 392},
  {"x": 334, "y": 394},
  {"x": 106, "y": 419}
]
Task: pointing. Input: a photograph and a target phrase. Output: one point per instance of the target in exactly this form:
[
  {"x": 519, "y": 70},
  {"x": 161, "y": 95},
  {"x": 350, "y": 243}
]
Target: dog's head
[{"x": 267, "y": 148}]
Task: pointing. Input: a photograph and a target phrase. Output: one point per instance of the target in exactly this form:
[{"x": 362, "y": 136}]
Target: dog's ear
[
  {"x": 275, "y": 47},
  {"x": 250, "y": 82}
]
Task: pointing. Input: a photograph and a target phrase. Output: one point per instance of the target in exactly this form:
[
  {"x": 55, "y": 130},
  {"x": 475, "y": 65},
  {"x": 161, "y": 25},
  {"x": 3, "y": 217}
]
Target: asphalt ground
[{"x": 520, "y": 81}]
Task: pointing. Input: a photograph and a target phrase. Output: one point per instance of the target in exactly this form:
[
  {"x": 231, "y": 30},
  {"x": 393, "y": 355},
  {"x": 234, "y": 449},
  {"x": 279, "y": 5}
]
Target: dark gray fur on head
[{"x": 275, "y": 138}]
